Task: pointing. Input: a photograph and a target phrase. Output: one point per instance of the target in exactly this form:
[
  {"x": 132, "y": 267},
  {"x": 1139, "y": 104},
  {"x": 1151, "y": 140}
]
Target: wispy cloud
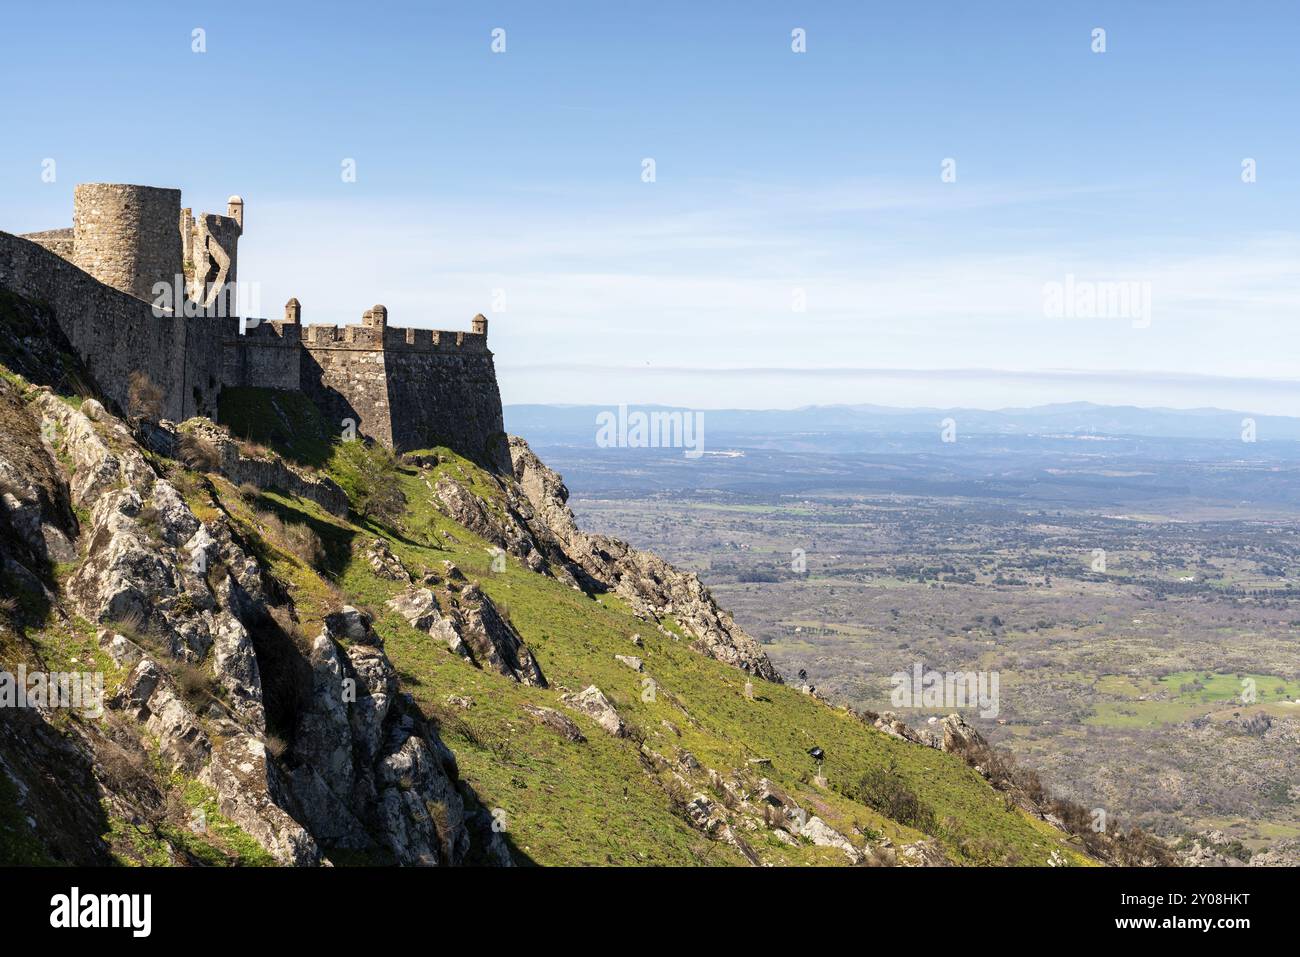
[{"x": 719, "y": 287}]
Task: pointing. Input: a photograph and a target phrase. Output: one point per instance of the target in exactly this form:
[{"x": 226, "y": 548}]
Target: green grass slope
[{"x": 602, "y": 802}]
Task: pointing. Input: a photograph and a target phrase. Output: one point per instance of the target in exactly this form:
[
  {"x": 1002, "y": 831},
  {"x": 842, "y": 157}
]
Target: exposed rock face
[
  {"x": 149, "y": 696},
  {"x": 823, "y": 835},
  {"x": 473, "y": 628},
  {"x": 419, "y": 607},
  {"x": 506, "y": 529},
  {"x": 149, "y": 558},
  {"x": 266, "y": 469},
  {"x": 33, "y": 498},
  {"x": 361, "y": 770},
  {"x": 494, "y": 642},
  {"x": 960, "y": 738},
  {"x": 632, "y": 661},
  {"x": 592, "y": 702},
  {"x": 251, "y": 794},
  {"x": 925, "y": 853},
  {"x": 384, "y": 563},
  {"x": 652, "y": 586},
  {"x": 559, "y": 723},
  {"x": 894, "y": 726},
  {"x": 367, "y": 771}
]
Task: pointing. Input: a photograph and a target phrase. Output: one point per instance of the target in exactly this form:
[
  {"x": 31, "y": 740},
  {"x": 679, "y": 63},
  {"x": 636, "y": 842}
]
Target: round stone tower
[{"x": 127, "y": 236}]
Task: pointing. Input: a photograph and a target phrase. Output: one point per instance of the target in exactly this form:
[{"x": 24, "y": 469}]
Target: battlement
[
  {"x": 373, "y": 332},
  {"x": 273, "y": 330},
  {"x": 405, "y": 387}
]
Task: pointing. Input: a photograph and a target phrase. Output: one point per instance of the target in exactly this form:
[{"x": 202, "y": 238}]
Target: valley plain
[{"x": 1138, "y": 598}]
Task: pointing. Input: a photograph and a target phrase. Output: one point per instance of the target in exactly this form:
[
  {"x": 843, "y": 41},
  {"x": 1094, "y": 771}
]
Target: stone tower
[{"x": 126, "y": 237}]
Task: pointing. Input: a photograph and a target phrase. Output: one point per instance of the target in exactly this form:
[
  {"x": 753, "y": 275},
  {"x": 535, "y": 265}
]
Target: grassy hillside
[{"x": 601, "y": 802}]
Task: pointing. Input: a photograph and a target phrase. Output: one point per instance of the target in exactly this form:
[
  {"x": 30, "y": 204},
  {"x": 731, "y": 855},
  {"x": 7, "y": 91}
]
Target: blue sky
[{"x": 780, "y": 177}]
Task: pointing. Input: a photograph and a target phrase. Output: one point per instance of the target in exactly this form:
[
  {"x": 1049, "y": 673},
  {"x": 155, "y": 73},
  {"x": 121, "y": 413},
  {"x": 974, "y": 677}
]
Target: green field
[{"x": 1179, "y": 697}]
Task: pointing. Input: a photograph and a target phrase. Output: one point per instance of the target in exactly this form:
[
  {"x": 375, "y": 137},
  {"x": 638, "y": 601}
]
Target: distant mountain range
[{"x": 577, "y": 423}]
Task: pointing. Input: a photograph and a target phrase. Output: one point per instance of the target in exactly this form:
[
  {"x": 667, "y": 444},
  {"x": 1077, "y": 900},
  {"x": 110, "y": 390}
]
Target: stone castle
[{"x": 102, "y": 279}]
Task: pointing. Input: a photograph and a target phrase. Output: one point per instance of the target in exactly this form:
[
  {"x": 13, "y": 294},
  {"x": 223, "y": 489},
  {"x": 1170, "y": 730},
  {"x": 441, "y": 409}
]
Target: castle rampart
[
  {"x": 406, "y": 388},
  {"x": 57, "y": 241},
  {"x": 117, "y": 334},
  {"x": 267, "y": 355}
]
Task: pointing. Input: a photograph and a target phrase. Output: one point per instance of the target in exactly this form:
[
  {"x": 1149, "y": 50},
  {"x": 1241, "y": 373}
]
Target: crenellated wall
[
  {"x": 408, "y": 388},
  {"x": 405, "y": 388},
  {"x": 268, "y": 356}
]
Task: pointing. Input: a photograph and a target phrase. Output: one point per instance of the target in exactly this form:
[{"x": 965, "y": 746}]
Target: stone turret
[
  {"x": 293, "y": 311},
  {"x": 376, "y": 317},
  {"x": 126, "y": 237},
  {"x": 235, "y": 210},
  {"x": 478, "y": 325}
]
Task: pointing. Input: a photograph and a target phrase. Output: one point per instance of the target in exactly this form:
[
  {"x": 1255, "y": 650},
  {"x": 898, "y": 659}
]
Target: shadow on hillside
[{"x": 284, "y": 421}]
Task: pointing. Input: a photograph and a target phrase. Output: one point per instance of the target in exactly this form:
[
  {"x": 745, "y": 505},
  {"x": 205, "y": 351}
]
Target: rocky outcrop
[
  {"x": 150, "y": 563},
  {"x": 823, "y": 835},
  {"x": 592, "y": 702},
  {"x": 34, "y": 501},
  {"x": 925, "y": 853},
  {"x": 894, "y": 726},
  {"x": 265, "y": 469},
  {"x": 559, "y": 723},
  {"x": 500, "y": 525},
  {"x": 960, "y": 738},
  {"x": 185, "y": 607},
  {"x": 367, "y": 771},
  {"x": 149, "y": 696},
  {"x": 492, "y": 640},
  {"x": 384, "y": 563},
  {"x": 654, "y": 588},
  {"x": 472, "y": 627},
  {"x": 1284, "y": 853},
  {"x": 631, "y": 661},
  {"x": 251, "y": 793}
]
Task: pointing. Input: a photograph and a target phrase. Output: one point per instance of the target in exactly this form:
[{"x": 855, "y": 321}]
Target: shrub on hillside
[
  {"x": 297, "y": 537},
  {"x": 368, "y": 473},
  {"x": 887, "y": 791},
  {"x": 143, "y": 397},
  {"x": 196, "y": 452}
]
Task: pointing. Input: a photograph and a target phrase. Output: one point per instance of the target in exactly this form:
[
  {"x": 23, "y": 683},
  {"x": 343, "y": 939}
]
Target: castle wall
[
  {"x": 405, "y": 388},
  {"x": 57, "y": 241},
  {"x": 447, "y": 398},
  {"x": 421, "y": 388},
  {"x": 268, "y": 356},
  {"x": 347, "y": 380},
  {"x": 117, "y": 334},
  {"x": 127, "y": 236}
]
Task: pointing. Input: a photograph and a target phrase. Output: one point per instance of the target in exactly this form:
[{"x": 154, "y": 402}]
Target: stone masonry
[{"x": 405, "y": 388}]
